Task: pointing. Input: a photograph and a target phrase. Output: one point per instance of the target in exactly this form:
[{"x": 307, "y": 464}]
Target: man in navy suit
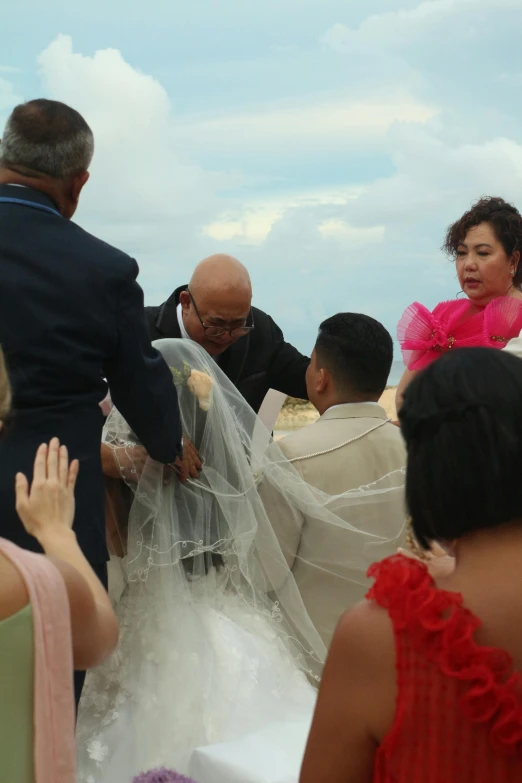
[{"x": 71, "y": 314}]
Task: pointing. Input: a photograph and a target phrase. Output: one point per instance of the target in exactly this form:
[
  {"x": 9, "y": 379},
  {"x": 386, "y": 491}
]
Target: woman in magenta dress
[
  {"x": 423, "y": 681},
  {"x": 486, "y": 244}
]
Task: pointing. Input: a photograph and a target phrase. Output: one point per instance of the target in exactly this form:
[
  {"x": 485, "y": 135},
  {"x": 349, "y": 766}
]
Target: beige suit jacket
[{"x": 329, "y": 563}]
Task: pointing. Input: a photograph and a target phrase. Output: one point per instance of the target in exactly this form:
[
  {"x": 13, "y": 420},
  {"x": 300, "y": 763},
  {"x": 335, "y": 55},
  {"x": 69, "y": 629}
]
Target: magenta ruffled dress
[{"x": 425, "y": 335}]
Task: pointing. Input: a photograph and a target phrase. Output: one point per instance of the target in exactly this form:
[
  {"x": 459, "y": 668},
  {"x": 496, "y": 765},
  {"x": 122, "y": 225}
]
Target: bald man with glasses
[{"x": 215, "y": 310}]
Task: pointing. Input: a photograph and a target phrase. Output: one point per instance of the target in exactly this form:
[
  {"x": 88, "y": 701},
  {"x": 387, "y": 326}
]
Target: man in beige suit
[{"x": 352, "y": 445}]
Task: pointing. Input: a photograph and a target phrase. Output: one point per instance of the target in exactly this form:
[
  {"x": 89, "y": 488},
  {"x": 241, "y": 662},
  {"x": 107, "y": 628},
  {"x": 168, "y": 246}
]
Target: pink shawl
[{"x": 54, "y": 742}]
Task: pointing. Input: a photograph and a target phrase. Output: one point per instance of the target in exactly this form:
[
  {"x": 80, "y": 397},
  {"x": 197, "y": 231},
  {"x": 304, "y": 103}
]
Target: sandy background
[{"x": 298, "y": 413}]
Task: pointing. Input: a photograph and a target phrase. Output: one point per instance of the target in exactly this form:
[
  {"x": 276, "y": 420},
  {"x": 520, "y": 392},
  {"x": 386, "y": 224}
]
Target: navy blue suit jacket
[{"x": 71, "y": 314}]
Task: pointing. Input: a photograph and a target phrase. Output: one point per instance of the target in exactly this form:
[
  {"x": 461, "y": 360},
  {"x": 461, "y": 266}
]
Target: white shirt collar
[
  {"x": 179, "y": 313},
  {"x": 344, "y": 404}
]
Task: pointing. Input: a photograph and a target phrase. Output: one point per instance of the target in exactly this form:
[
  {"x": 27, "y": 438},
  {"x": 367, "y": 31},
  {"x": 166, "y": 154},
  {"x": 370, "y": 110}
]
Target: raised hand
[{"x": 48, "y": 504}]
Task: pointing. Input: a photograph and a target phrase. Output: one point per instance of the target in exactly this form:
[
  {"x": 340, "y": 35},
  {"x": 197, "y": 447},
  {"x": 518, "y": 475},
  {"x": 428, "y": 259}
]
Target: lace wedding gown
[{"x": 215, "y": 670}]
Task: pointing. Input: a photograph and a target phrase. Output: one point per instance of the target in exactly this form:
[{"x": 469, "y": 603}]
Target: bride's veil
[{"x": 209, "y": 548}]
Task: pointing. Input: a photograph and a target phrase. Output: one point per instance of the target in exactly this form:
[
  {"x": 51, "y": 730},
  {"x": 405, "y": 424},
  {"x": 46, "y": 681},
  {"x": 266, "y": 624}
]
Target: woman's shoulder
[
  {"x": 444, "y": 309},
  {"x": 13, "y": 592}
]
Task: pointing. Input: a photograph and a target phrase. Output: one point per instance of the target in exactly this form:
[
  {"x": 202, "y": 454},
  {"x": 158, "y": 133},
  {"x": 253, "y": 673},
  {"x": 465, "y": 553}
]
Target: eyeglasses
[{"x": 219, "y": 331}]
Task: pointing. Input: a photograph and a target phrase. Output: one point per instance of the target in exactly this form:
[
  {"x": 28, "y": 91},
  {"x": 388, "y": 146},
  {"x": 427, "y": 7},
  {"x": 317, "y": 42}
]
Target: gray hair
[{"x": 47, "y": 137}]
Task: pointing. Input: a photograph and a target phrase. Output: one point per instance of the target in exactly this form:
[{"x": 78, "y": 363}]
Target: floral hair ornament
[
  {"x": 162, "y": 776},
  {"x": 198, "y": 383}
]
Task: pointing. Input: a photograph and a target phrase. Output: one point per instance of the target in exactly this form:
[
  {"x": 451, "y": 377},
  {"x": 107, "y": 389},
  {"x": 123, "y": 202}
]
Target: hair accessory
[{"x": 411, "y": 541}]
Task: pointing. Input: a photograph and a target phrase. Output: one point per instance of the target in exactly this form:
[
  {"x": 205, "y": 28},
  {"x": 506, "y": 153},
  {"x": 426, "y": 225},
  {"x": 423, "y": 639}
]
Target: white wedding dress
[{"x": 214, "y": 673}]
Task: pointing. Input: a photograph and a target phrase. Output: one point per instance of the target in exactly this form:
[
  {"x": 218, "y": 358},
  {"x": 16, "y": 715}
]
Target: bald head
[
  {"x": 221, "y": 273},
  {"x": 219, "y": 295}
]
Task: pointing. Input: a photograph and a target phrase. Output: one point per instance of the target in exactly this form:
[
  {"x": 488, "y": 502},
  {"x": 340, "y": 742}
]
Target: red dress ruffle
[
  {"x": 435, "y": 638},
  {"x": 424, "y": 335}
]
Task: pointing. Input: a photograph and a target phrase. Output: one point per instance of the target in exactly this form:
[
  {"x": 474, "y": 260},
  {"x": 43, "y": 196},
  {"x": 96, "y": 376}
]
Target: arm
[
  {"x": 140, "y": 382},
  {"x": 47, "y": 512},
  {"x": 342, "y": 743},
  {"x": 287, "y": 371},
  {"x": 407, "y": 377}
]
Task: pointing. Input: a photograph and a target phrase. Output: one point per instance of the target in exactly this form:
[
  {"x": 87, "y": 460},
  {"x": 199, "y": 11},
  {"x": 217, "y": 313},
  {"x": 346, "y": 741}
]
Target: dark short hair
[
  {"x": 358, "y": 351},
  {"x": 504, "y": 219},
  {"x": 47, "y": 137},
  {"x": 462, "y": 422}
]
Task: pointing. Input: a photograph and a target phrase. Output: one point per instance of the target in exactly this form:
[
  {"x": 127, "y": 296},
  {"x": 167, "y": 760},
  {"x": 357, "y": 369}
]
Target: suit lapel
[
  {"x": 232, "y": 361},
  {"x": 167, "y": 322}
]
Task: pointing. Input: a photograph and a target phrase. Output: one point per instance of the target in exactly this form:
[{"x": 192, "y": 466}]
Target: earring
[{"x": 411, "y": 543}]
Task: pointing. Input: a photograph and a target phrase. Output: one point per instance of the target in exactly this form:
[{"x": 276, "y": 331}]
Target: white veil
[{"x": 204, "y": 556}]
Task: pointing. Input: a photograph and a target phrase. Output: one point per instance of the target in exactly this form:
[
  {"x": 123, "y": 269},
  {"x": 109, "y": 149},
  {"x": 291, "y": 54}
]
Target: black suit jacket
[
  {"x": 256, "y": 363},
  {"x": 71, "y": 313}
]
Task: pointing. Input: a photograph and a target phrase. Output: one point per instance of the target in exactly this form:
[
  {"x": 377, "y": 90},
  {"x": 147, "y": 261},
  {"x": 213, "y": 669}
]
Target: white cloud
[
  {"x": 140, "y": 181},
  {"x": 352, "y": 235},
  {"x": 253, "y": 223},
  {"x": 398, "y": 27},
  {"x": 350, "y": 185},
  {"x": 339, "y": 122}
]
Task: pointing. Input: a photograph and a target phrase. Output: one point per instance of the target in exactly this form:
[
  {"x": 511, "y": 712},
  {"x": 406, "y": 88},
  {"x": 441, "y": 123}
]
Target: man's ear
[
  {"x": 323, "y": 381},
  {"x": 184, "y": 300},
  {"x": 77, "y": 184}
]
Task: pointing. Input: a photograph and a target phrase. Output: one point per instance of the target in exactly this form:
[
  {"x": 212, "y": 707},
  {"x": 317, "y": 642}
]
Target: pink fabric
[
  {"x": 455, "y": 324},
  {"x": 54, "y": 717}
]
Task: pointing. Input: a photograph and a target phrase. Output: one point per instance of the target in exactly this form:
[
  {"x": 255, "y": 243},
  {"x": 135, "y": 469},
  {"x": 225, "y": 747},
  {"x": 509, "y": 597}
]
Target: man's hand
[
  {"x": 190, "y": 465},
  {"x": 123, "y": 462}
]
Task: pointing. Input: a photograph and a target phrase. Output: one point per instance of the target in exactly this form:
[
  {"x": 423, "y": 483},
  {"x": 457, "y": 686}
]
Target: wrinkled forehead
[{"x": 224, "y": 303}]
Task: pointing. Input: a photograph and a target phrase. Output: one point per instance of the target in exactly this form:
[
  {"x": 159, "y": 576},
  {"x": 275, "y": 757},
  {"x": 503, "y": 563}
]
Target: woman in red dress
[
  {"x": 423, "y": 683},
  {"x": 486, "y": 243}
]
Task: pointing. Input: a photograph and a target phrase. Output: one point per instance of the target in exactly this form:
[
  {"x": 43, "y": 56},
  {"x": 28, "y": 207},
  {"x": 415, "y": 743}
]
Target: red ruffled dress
[
  {"x": 458, "y": 716},
  {"x": 423, "y": 336}
]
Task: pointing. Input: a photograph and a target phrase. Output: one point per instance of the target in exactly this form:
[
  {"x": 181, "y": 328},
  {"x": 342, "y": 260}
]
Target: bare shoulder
[
  {"x": 364, "y": 634},
  {"x": 13, "y": 592}
]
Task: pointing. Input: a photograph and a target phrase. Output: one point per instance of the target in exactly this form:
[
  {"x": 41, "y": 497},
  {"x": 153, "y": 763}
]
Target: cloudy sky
[{"x": 325, "y": 143}]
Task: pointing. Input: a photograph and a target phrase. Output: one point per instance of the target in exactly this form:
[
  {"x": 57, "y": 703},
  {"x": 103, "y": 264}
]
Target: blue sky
[{"x": 325, "y": 143}]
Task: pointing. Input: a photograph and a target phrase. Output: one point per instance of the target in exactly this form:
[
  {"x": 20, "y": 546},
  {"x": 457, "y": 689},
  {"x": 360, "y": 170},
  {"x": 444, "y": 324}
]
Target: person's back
[
  {"x": 459, "y": 691},
  {"x": 425, "y": 678},
  {"x": 71, "y": 313},
  {"x": 352, "y": 445}
]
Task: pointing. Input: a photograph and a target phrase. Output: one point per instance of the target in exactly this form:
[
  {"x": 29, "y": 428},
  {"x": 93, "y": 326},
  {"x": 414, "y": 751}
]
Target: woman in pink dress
[{"x": 486, "y": 244}]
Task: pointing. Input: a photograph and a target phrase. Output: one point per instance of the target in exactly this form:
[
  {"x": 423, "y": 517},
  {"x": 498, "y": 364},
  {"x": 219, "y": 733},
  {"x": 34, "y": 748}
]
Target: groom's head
[
  {"x": 351, "y": 361},
  {"x": 216, "y": 307}
]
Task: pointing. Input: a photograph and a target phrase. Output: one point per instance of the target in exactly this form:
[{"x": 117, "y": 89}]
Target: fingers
[
  {"x": 193, "y": 469},
  {"x": 52, "y": 459},
  {"x": 181, "y": 467},
  {"x": 72, "y": 474},
  {"x": 22, "y": 494},
  {"x": 63, "y": 466},
  {"x": 194, "y": 456},
  {"x": 40, "y": 464}
]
